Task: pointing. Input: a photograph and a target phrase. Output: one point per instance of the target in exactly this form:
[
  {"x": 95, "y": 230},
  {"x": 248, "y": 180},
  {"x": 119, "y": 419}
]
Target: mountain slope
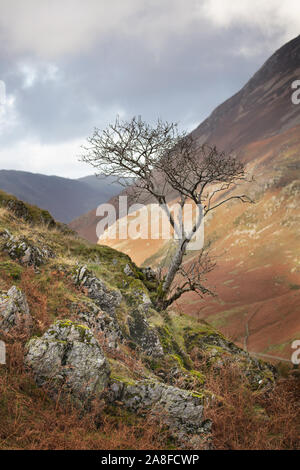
[
  {"x": 65, "y": 198},
  {"x": 261, "y": 109},
  {"x": 257, "y": 247},
  {"x": 109, "y": 185},
  {"x": 91, "y": 364}
]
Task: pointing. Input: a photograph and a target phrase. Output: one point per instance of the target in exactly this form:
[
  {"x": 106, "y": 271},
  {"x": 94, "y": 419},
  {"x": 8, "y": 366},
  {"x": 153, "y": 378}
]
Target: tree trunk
[{"x": 176, "y": 263}]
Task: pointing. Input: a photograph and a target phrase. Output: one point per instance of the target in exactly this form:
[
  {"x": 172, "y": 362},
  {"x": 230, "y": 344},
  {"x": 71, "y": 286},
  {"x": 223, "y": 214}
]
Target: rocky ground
[{"x": 88, "y": 333}]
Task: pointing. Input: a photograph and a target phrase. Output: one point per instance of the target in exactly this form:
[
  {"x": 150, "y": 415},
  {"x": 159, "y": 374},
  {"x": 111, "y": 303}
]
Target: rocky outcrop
[
  {"x": 149, "y": 274},
  {"x": 140, "y": 297},
  {"x": 68, "y": 359},
  {"x": 143, "y": 334},
  {"x": 182, "y": 411},
  {"x": 99, "y": 321},
  {"x": 28, "y": 213},
  {"x": 105, "y": 298},
  {"x": 214, "y": 350},
  {"x": 23, "y": 251},
  {"x": 14, "y": 311},
  {"x": 128, "y": 271}
]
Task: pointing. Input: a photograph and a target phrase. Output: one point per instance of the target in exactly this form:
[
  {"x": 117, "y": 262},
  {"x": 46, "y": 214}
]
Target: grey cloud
[
  {"x": 193, "y": 74},
  {"x": 149, "y": 58}
]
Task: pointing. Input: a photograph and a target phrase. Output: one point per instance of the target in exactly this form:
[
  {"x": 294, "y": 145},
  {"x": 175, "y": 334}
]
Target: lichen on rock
[
  {"x": 23, "y": 251},
  {"x": 97, "y": 320},
  {"x": 182, "y": 411},
  {"x": 149, "y": 274},
  {"x": 14, "y": 310},
  {"x": 128, "y": 271},
  {"x": 104, "y": 297},
  {"x": 143, "y": 334},
  {"x": 68, "y": 359}
]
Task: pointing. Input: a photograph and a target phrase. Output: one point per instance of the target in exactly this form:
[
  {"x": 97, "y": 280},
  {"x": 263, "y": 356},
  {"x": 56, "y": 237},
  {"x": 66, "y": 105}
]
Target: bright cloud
[
  {"x": 51, "y": 28},
  {"x": 71, "y": 65},
  {"x": 56, "y": 159}
]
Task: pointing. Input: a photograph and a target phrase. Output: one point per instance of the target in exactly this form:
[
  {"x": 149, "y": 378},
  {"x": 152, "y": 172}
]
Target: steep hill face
[
  {"x": 65, "y": 198},
  {"x": 86, "y": 224},
  {"x": 82, "y": 333},
  {"x": 107, "y": 184},
  {"x": 257, "y": 246},
  {"x": 261, "y": 109}
]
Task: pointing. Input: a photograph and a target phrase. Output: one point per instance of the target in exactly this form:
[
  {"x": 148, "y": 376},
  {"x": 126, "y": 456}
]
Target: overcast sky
[{"x": 71, "y": 65}]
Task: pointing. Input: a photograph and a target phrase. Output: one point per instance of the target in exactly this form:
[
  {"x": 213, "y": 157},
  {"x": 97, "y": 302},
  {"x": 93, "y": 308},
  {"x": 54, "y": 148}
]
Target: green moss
[
  {"x": 160, "y": 292},
  {"x": 199, "y": 376},
  {"x": 165, "y": 338},
  {"x": 84, "y": 332},
  {"x": 123, "y": 380},
  {"x": 11, "y": 269},
  {"x": 198, "y": 336},
  {"x": 154, "y": 364},
  {"x": 268, "y": 375},
  {"x": 171, "y": 346},
  {"x": 177, "y": 359},
  {"x": 199, "y": 395}
]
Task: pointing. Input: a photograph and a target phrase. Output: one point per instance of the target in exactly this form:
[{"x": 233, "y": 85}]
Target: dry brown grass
[
  {"x": 253, "y": 421},
  {"x": 241, "y": 419},
  {"x": 29, "y": 419}
]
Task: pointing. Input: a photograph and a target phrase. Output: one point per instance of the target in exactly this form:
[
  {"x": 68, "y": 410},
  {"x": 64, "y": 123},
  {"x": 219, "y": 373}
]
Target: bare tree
[
  {"x": 191, "y": 278},
  {"x": 161, "y": 160}
]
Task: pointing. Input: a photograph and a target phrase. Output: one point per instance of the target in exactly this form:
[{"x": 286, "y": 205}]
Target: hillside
[
  {"x": 85, "y": 225},
  {"x": 108, "y": 184},
  {"x": 65, "y": 198},
  {"x": 90, "y": 364},
  {"x": 257, "y": 247},
  {"x": 261, "y": 109}
]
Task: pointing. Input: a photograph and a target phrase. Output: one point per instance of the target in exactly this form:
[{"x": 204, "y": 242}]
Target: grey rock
[
  {"x": 182, "y": 411},
  {"x": 149, "y": 273},
  {"x": 24, "y": 252},
  {"x": 141, "y": 298},
  {"x": 105, "y": 298},
  {"x": 68, "y": 359},
  {"x": 99, "y": 321},
  {"x": 143, "y": 334},
  {"x": 14, "y": 310},
  {"x": 128, "y": 271}
]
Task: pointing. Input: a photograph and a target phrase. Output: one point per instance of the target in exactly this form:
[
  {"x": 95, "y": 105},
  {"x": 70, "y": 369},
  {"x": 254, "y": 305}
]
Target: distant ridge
[
  {"x": 64, "y": 198},
  {"x": 261, "y": 109},
  {"x": 257, "y": 278}
]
